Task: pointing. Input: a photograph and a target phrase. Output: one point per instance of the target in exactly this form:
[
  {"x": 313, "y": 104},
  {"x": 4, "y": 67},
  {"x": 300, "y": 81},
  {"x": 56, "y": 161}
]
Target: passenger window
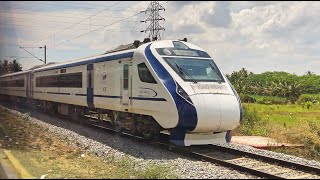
[
  {"x": 125, "y": 77},
  {"x": 144, "y": 74}
]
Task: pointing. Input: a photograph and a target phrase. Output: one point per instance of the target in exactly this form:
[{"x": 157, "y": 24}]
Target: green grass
[
  {"x": 285, "y": 123},
  {"x": 290, "y": 115}
]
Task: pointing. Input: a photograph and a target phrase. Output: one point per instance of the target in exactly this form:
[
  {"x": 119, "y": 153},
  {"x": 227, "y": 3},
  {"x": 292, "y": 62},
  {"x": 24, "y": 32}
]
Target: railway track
[
  {"x": 246, "y": 162},
  {"x": 250, "y": 163},
  {"x": 254, "y": 164}
]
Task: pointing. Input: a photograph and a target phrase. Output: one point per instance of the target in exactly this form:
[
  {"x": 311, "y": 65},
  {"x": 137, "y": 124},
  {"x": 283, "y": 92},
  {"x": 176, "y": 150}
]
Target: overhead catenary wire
[
  {"x": 78, "y": 22},
  {"x": 95, "y": 30},
  {"x": 54, "y": 34},
  {"x": 75, "y": 2},
  {"x": 52, "y": 15},
  {"x": 55, "y": 28},
  {"x": 43, "y": 21},
  {"x": 45, "y": 9}
]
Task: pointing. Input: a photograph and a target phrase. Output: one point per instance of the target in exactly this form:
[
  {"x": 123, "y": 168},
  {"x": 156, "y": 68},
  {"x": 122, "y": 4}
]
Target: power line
[
  {"x": 64, "y": 17},
  {"x": 33, "y": 54},
  {"x": 33, "y": 14},
  {"x": 43, "y": 10},
  {"x": 74, "y": 2},
  {"x": 53, "y": 28},
  {"x": 79, "y": 22},
  {"x": 60, "y": 5},
  {"x": 46, "y": 10},
  {"x": 42, "y": 24},
  {"x": 95, "y": 5},
  {"x": 95, "y": 30},
  {"x": 65, "y": 22}
]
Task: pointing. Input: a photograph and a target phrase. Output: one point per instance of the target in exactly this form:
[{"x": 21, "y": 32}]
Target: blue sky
[{"x": 259, "y": 36}]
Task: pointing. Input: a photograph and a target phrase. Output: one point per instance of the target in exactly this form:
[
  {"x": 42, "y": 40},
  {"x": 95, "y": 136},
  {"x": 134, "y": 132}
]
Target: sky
[{"x": 259, "y": 36}]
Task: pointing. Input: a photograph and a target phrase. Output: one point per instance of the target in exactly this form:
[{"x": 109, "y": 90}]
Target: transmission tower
[{"x": 154, "y": 27}]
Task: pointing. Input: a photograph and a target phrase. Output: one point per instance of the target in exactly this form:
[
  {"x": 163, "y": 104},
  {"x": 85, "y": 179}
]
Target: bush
[
  {"x": 314, "y": 98},
  {"x": 252, "y": 124},
  {"x": 270, "y": 100},
  {"x": 247, "y": 98}
]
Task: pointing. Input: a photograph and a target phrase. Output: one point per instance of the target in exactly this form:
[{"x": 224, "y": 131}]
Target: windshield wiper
[
  {"x": 213, "y": 68},
  {"x": 183, "y": 71}
]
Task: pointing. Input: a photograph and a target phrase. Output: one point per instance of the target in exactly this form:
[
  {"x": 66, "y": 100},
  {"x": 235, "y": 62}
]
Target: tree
[
  {"x": 6, "y": 67},
  {"x": 15, "y": 66},
  {"x": 309, "y": 73},
  {"x": 238, "y": 80}
]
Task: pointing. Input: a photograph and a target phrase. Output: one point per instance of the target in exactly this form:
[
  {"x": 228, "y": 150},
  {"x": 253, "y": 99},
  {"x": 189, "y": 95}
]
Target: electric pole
[
  {"x": 45, "y": 53},
  {"x": 154, "y": 27}
]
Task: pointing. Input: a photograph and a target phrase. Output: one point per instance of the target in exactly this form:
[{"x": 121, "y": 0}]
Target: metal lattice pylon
[{"x": 154, "y": 27}]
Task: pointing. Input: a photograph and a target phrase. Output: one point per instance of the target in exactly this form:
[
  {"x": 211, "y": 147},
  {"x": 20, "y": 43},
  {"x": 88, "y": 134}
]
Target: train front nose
[{"x": 216, "y": 112}]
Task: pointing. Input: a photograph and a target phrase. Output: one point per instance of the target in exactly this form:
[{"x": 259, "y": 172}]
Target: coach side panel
[
  {"x": 67, "y": 85},
  {"x": 13, "y": 85}
]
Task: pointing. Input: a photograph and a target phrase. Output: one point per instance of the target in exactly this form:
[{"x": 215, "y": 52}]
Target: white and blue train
[{"x": 166, "y": 85}]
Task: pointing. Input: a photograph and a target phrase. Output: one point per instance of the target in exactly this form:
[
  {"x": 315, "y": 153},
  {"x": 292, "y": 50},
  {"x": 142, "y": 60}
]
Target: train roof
[
  {"x": 122, "y": 51},
  {"x": 15, "y": 74},
  {"x": 88, "y": 60},
  {"x": 119, "y": 52}
]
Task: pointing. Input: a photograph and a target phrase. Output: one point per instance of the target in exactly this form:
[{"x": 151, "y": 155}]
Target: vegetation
[
  {"x": 290, "y": 123},
  {"x": 282, "y": 106},
  {"x": 48, "y": 156},
  {"x": 7, "y": 67},
  {"x": 275, "y": 84}
]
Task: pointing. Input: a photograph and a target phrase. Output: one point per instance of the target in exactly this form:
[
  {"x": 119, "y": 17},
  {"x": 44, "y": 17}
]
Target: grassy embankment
[
  {"x": 41, "y": 154},
  {"x": 286, "y": 123}
]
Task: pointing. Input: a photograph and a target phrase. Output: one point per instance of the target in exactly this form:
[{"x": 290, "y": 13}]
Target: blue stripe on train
[{"x": 187, "y": 113}]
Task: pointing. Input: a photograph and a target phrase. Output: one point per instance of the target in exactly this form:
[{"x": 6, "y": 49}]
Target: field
[{"x": 290, "y": 123}]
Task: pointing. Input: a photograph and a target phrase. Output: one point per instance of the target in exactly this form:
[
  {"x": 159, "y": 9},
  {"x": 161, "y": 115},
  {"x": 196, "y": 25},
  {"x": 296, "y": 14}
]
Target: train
[{"x": 143, "y": 88}]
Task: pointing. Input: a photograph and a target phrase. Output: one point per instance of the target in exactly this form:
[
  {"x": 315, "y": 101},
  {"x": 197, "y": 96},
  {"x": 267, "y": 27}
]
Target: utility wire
[
  {"x": 103, "y": 27},
  {"x": 53, "y": 28},
  {"x": 65, "y": 22},
  {"x": 96, "y": 30},
  {"x": 30, "y": 53},
  {"x": 78, "y": 22},
  {"x": 60, "y": 4},
  {"x": 74, "y": 2},
  {"x": 51, "y": 15}
]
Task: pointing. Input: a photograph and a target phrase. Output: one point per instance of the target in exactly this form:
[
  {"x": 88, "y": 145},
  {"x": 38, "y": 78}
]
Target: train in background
[{"x": 143, "y": 88}]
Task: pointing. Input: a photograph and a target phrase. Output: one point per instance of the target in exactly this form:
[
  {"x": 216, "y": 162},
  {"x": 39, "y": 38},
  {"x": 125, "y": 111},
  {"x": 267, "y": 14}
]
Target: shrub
[
  {"x": 270, "y": 100},
  {"x": 247, "y": 98},
  {"x": 314, "y": 98},
  {"x": 252, "y": 124}
]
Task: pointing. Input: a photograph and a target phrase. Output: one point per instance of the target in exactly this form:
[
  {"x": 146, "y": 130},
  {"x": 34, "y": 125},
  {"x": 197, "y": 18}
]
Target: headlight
[{"x": 183, "y": 94}]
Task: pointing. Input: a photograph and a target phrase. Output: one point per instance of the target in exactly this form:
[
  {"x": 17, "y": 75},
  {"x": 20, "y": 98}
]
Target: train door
[
  {"x": 29, "y": 85},
  {"x": 126, "y": 84},
  {"x": 32, "y": 85},
  {"x": 90, "y": 85},
  {"x": 27, "y": 82}
]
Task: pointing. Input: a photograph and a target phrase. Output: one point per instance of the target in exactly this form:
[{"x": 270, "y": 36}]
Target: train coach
[{"x": 143, "y": 88}]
